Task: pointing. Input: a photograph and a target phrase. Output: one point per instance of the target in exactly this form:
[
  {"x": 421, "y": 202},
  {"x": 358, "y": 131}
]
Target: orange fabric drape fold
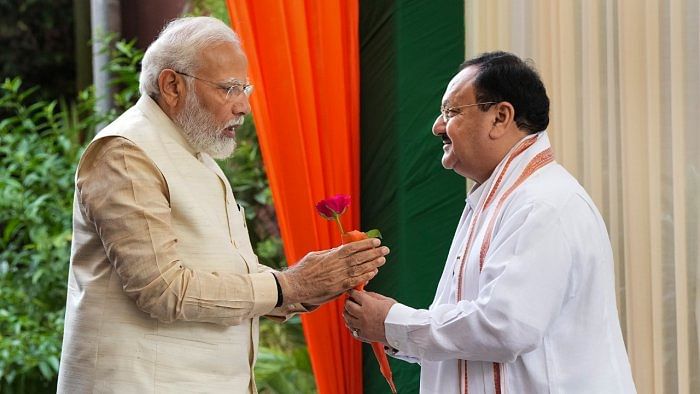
[{"x": 304, "y": 61}]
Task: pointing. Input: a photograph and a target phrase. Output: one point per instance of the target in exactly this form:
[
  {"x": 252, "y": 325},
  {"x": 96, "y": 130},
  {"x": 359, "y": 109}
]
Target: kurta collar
[
  {"x": 164, "y": 124},
  {"x": 475, "y": 194}
]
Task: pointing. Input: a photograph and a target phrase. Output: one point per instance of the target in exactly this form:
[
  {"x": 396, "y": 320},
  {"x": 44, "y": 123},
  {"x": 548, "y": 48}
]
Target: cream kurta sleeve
[
  {"x": 284, "y": 312},
  {"x": 126, "y": 198}
]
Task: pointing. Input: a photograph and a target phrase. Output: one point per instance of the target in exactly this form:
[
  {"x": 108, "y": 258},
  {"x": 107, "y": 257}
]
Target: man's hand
[
  {"x": 321, "y": 276},
  {"x": 365, "y": 313}
]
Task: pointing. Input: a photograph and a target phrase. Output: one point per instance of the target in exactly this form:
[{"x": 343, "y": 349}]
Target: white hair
[{"x": 178, "y": 46}]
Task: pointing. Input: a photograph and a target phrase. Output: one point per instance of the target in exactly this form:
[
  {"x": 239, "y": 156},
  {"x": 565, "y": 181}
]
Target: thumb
[
  {"x": 376, "y": 296},
  {"x": 358, "y": 295},
  {"x": 379, "y": 297}
]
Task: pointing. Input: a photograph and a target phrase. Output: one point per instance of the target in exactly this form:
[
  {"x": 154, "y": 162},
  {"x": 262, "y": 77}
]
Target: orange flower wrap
[{"x": 377, "y": 347}]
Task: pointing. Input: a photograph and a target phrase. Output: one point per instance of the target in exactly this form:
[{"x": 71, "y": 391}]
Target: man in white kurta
[
  {"x": 526, "y": 301},
  {"x": 164, "y": 289}
]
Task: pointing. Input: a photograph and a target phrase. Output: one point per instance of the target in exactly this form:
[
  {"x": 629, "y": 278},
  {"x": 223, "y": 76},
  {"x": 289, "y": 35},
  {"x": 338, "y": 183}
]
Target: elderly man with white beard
[{"x": 164, "y": 289}]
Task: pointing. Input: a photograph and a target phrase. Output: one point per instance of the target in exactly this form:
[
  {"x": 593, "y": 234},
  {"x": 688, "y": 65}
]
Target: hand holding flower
[
  {"x": 321, "y": 276},
  {"x": 366, "y": 311},
  {"x": 331, "y": 209}
]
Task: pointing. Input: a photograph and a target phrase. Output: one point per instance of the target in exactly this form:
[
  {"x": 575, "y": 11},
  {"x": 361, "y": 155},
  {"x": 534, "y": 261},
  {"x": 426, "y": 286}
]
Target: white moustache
[{"x": 236, "y": 123}]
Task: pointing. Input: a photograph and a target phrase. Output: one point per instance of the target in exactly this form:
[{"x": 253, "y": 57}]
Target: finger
[
  {"x": 358, "y": 296},
  {"x": 366, "y": 277},
  {"x": 367, "y": 297},
  {"x": 373, "y": 264},
  {"x": 353, "y": 309},
  {"x": 349, "y": 302},
  {"x": 365, "y": 268},
  {"x": 358, "y": 246},
  {"x": 376, "y": 296},
  {"x": 353, "y": 281},
  {"x": 369, "y": 255},
  {"x": 351, "y": 321},
  {"x": 354, "y": 296},
  {"x": 355, "y": 270}
]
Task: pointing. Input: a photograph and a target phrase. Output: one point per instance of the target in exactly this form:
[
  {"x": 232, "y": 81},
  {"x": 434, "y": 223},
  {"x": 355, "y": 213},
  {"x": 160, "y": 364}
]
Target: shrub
[{"x": 39, "y": 148}]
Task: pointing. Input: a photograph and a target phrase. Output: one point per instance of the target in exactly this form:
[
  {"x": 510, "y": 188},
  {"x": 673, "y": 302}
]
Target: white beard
[{"x": 203, "y": 132}]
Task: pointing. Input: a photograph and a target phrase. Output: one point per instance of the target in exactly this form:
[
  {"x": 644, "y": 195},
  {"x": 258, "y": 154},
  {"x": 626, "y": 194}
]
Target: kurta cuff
[
  {"x": 395, "y": 330},
  {"x": 265, "y": 291}
]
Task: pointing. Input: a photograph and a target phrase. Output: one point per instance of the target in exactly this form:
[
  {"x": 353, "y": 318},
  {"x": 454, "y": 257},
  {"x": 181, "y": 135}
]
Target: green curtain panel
[{"x": 409, "y": 50}]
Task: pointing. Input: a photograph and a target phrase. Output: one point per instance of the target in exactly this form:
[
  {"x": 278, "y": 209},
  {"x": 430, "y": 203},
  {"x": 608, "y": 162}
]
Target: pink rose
[{"x": 333, "y": 207}]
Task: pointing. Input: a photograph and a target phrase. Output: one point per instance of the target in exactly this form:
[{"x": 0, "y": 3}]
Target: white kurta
[{"x": 540, "y": 316}]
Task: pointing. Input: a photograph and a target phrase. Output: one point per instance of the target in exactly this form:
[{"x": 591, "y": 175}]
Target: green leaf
[
  {"x": 53, "y": 361},
  {"x": 374, "y": 233},
  {"x": 45, "y": 369},
  {"x": 10, "y": 227}
]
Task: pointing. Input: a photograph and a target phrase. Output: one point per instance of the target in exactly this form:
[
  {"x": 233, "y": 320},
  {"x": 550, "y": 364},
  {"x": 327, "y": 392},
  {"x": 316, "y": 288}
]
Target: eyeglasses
[
  {"x": 451, "y": 112},
  {"x": 233, "y": 90}
]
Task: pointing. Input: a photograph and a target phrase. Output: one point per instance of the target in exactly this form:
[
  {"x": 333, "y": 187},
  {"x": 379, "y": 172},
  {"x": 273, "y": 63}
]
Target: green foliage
[
  {"x": 125, "y": 62},
  {"x": 39, "y": 148},
  {"x": 283, "y": 364},
  {"x": 215, "y": 8},
  {"x": 40, "y": 145}
]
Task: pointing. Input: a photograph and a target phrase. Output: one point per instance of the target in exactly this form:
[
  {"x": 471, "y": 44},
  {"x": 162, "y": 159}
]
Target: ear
[
  {"x": 503, "y": 120},
  {"x": 172, "y": 88}
]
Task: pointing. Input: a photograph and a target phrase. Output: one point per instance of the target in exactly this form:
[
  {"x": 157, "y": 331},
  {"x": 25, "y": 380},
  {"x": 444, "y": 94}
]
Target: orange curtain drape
[{"x": 304, "y": 61}]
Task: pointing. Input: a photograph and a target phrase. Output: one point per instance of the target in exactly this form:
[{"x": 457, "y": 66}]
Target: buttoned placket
[
  {"x": 230, "y": 202},
  {"x": 472, "y": 201},
  {"x": 230, "y": 205}
]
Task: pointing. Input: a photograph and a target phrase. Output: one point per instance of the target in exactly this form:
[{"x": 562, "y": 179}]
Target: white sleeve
[{"x": 523, "y": 286}]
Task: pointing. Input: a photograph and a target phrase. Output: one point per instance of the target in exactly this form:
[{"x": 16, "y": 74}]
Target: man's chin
[
  {"x": 447, "y": 163},
  {"x": 223, "y": 151}
]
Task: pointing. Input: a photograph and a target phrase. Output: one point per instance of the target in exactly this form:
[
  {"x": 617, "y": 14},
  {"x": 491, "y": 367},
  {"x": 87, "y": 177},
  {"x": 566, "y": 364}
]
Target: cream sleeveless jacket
[{"x": 110, "y": 343}]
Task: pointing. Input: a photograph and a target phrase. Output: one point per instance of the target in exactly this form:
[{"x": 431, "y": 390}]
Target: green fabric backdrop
[{"x": 409, "y": 51}]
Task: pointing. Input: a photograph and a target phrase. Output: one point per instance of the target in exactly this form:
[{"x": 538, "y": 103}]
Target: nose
[
  {"x": 241, "y": 105},
  {"x": 439, "y": 126}
]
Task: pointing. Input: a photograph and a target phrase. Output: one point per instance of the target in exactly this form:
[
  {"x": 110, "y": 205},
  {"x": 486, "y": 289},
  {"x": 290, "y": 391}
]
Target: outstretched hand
[
  {"x": 365, "y": 313},
  {"x": 321, "y": 276}
]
